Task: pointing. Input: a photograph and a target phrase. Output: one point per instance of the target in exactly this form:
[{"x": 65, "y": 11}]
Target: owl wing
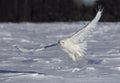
[{"x": 84, "y": 32}]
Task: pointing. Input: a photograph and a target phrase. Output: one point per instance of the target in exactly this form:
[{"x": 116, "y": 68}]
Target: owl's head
[{"x": 62, "y": 41}]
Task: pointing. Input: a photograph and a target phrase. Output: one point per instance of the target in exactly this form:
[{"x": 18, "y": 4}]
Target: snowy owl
[{"x": 75, "y": 45}]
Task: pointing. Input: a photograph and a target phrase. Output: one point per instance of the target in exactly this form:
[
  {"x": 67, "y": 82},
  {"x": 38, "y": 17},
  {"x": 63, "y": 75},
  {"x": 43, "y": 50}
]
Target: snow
[{"x": 101, "y": 63}]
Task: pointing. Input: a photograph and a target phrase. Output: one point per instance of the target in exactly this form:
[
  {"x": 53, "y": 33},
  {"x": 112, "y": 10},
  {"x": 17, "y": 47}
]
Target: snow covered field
[{"x": 100, "y": 64}]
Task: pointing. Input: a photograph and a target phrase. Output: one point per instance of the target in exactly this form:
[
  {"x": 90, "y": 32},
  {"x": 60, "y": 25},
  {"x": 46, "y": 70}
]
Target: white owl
[{"x": 75, "y": 45}]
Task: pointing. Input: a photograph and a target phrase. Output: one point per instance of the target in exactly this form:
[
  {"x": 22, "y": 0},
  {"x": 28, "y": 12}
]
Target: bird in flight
[{"x": 75, "y": 45}]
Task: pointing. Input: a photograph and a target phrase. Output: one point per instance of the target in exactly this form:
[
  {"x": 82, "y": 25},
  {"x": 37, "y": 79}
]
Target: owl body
[{"x": 71, "y": 48}]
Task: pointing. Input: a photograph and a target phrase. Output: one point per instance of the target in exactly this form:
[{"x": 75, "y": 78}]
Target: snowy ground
[{"x": 101, "y": 64}]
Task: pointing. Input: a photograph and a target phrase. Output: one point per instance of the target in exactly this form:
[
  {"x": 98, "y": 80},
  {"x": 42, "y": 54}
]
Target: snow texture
[{"x": 100, "y": 64}]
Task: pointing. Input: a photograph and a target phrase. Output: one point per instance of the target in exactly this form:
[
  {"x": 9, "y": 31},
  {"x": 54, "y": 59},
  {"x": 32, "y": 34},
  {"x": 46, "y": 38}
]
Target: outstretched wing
[
  {"x": 34, "y": 49},
  {"x": 83, "y": 33}
]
